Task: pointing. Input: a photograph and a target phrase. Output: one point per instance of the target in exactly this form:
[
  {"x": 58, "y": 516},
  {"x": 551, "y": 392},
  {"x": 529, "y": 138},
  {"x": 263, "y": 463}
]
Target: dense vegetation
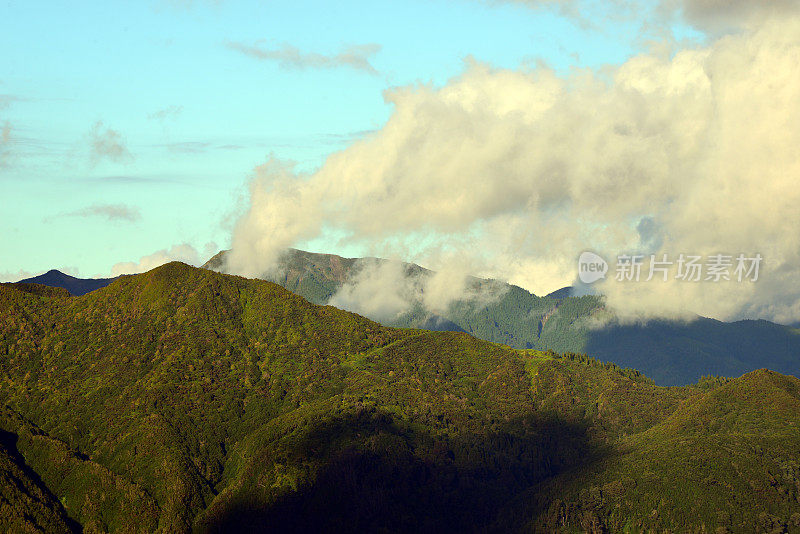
[
  {"x": 671, "y": 352},
  {"x": 185, "y": 400}
]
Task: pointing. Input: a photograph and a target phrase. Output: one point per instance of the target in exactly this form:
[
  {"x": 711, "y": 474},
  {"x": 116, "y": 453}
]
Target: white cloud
[
  {"x": 520, "y": 171},
  {"x": 384, "y": 289},
  {"x": 380, "y": 290},
  {"x": 183, "y": 252}
]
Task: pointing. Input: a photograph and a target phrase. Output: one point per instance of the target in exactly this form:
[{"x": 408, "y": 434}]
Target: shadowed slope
[
  {"x": 184, "y": 399},
  {"x": 727, "y": 459},
  {"x": 26, "y": 504}
]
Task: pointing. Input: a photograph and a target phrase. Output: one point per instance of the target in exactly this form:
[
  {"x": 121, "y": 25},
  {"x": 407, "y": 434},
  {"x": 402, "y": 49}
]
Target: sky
[
  {"x": 132, "y": 127},
  {"x": 499, "y": 138}
]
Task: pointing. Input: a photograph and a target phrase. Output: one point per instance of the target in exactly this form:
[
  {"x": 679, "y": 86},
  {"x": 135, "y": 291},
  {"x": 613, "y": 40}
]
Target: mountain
[
  {"x": 75, "y": 286},
  {"x": 439, "y": 324},
  {"x": 315, "y": 276},
  {"x": 562, "y": 293},
  {"x": 690, "y": 464},
  {"x": 185, "y": 400},
  {"x": 670, "y": 352}
]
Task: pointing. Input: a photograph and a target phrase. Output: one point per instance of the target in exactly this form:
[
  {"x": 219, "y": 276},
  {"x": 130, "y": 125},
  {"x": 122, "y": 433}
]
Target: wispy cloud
[
  {"x": 197, "y": 147},
  {"x": 569, "y": 8},
  {"x": 261, "y": 142},
  {"x": 11, "y": 276},
  {"x": 18, "y": 145},
  {"x": 122, "y": 179},
  {"x": 170, "y": 112},
  {"x": 5, "y": 143},
  {"x": 346, "y": 137},
  {"x": 108, "y": 144},
  {"x": 288, "y": 56},
  {"x": 711, "y": 16},
  {"x": 189, "y": 4},
  {"x": 188, "y": 147},
  {"x": 111, "y": 212},
  {"x": 7, "y": 100}
]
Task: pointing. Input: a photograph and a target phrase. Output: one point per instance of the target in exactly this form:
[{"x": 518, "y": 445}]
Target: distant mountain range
[
  {"x": 183, "y": 400},
  {"x": 75, "y": 286},
  {"x": 670, "y": 352}
]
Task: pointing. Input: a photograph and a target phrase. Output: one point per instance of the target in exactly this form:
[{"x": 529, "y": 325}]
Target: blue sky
[{"x": 130, "y": 127}]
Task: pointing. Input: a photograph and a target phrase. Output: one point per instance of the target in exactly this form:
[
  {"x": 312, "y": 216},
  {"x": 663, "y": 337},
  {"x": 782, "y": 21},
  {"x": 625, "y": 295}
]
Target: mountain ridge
[
  {"x": 185, "y": 400},
  {"x": 75, "y": 286},
  {"x": 677, "y": 352},
  {"x": 680, "y": 352}
]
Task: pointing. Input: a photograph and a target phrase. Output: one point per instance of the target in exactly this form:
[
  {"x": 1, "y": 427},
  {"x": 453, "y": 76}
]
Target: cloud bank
[
  {"x": 714, "y": 17},
  {"x": 722, "y": 15},
  {"x": 516, "y": 173}
]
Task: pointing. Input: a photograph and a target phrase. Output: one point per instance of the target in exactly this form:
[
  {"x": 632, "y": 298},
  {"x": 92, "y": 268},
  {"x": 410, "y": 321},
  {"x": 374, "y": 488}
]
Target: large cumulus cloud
[{"x": 514, "y": 173}]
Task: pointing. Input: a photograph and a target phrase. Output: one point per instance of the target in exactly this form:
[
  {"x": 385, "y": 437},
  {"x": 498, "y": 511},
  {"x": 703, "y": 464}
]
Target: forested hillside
[
  {"x": 186, "y": 400},
  {"x": 670, "y": 352}
]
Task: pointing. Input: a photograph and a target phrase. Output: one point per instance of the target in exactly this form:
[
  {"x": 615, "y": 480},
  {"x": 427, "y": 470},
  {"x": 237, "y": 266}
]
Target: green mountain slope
[
  {"x": 719, "y": 462},
  {"x": 670, "y": 352},
  {"x": 185, "y": 400},
  {"x": 26, "y": 505}
]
